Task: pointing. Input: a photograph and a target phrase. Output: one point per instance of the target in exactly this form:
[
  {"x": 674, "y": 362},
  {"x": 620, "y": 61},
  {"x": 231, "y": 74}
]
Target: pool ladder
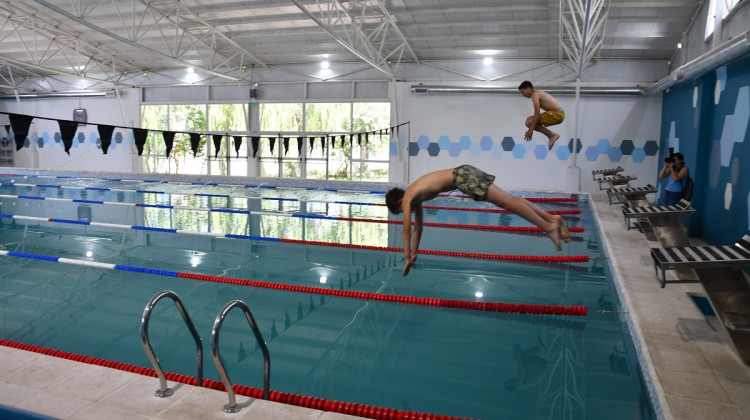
[{"x": 164, "y": 391}]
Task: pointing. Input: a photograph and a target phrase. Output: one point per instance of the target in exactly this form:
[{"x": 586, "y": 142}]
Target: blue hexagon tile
[{"x": 521, "y": 149}]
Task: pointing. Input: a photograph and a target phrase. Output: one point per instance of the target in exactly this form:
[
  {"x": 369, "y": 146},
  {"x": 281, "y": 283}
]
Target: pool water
[{"x": 437, "y": 360}]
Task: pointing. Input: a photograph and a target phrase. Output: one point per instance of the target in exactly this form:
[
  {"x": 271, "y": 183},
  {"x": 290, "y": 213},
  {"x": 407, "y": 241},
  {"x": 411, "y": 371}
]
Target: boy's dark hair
[
  {"x": 525, "y": 84},
  {"x": 392, "y": 199}
]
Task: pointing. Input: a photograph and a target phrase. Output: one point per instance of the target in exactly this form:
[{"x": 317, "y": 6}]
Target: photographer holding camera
[{"x": 675, "y": 169}]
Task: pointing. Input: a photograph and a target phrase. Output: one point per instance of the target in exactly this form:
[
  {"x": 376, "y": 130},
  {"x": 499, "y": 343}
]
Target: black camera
[{"x": 670, "y": 158}]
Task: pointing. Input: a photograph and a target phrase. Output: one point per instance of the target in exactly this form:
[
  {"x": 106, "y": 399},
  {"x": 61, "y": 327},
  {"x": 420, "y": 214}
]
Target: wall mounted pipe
[
  {"x": 436, "y": 89},
  {"x": 724, "y": 53}
]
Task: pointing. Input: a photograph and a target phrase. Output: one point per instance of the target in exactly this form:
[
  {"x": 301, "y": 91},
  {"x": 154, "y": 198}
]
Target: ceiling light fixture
[
  {"x": 679, "y": 45},
  {"x": 487, "y": 61},
  {"x": 324, "y": 64}
]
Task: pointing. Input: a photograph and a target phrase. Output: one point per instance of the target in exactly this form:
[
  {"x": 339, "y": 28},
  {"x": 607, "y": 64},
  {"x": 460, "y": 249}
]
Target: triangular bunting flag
[
  {"x": 300, "y": 140},
  {"x": 105, "y": 135},
  {"x": 312, "y": 143},
  {"x": 217, "y": 144},
  {"x": 256, "y": 144},
  {"x": 323, "y": 143},
  {"x": 67, "y": 131},
  {"x": 139, "y": 135},
  {"x": 20, "y": 124},
  {"x": 272, "y": 141},
  {"x": 238, "y": 144},
  {"x": 195, "y": 142},
  {"x": 286, "y": 145},
  {"x": 168, "y": 140}
]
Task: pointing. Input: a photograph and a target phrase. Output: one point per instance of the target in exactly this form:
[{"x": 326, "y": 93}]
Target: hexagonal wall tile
[
  {"x": 508, "y": 144},
  {"x": 728, "y": 196},
  {"x": 433, "y": 149},
  {"x": 627, "y": 147},
  {"x": 727, "y": 140},
  {"x": 486, "y": 143},
  {"x": 592, "y": 153},
  {"x": 651, "y": 148},
  {"x": 638, "y": 155},
  {"x": 741, "y": 114},
  {"x": 540, "y": 151}
]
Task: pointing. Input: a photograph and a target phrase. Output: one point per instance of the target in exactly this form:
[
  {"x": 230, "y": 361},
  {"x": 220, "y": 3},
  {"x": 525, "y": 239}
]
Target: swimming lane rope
[
  {"x": 532, "y": 309},
  {"x": 535, "y": 199},
  {"x": 353, "y": 409},
  {"x": 279, "y": 214},
  {"x": 483, "y": 256}
]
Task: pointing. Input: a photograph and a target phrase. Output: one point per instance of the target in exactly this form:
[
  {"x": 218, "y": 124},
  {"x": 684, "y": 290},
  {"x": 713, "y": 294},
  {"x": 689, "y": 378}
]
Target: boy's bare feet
[
  {"x": 564, "y": 234},
  {"x": 554, "y": 234},
  {"x": 552, "y": 140}
]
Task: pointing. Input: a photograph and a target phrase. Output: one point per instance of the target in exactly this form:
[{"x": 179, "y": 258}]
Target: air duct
[
  {"x": 69, "y": 94},
  {"x": 724, "y": 53},
  {"x": 425, "y": 90}
]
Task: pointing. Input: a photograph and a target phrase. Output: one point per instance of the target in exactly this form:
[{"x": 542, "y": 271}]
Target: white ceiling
[{"x": 114, "y": 40}]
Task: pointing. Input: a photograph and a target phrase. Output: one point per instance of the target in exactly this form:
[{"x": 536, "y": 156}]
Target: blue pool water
[{"x": 436, "y": 360}]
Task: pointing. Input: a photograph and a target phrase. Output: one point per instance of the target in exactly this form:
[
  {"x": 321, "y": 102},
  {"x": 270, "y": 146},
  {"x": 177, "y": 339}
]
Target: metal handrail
[
  {"x": 232, "y": 406},
  {"x": 164, "y": 391}
]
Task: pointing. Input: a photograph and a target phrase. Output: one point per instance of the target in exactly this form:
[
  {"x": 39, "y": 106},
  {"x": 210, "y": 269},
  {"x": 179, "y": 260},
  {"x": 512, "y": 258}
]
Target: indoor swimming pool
[{"x": 110, "y": 245}]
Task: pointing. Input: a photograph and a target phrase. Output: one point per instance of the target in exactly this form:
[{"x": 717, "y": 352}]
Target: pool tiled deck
[{"x": 696, "y": 374}]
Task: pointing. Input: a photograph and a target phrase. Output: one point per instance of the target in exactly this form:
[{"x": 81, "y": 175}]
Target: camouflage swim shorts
[{"x": 472, "y": 181}]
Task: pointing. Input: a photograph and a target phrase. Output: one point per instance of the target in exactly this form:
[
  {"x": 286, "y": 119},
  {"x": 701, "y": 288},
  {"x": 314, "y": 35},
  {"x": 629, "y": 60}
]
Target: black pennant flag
[
  {"x": 286, "y": 145},
  {"x": 105, "y": 135},
  {"x": 272, "y": 141},
  {"x": 20, "y": 124},
  {"x": 67, "y": 131},
  {"x": 237, "y": 144},
  {"x": 256, "y": 144},
  {"x": 217, "y": 144},
  {"x": 300, "y": 140},
  {"x": 168, "y": 140},
  {"x": 139, "y": 135},
  {"x": 195, "y": 142}
]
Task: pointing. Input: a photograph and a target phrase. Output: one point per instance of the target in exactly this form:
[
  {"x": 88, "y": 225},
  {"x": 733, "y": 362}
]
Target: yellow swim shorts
[{"x": 553, "y": 117}]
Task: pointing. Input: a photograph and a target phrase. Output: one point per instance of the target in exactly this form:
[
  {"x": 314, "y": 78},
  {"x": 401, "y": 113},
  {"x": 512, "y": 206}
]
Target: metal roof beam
[{"x": 365, "y": 28}]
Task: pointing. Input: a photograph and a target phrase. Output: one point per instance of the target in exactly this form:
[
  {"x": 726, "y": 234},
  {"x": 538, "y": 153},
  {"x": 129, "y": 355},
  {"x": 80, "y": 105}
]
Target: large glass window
[
  {"x": 277, "y": 123},
  {"x": 229, "y": 119},
  {"x": 193, "y": 118},
  {"x": 717, "y": 9},
  {"x": 346, "y": 141}
]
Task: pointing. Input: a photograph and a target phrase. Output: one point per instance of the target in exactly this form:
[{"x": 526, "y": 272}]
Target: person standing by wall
[{"x": 674, "y": 169}]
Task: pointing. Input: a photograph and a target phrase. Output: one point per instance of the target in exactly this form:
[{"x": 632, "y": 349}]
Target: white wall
[
  {"x": 604, "y": 123},
  {"x": 45, "y": 152}
]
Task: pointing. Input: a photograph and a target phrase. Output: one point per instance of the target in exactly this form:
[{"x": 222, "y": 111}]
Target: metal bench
[
  {"x": 692, "y": 257},
  {"x": 629, "y": 193},
  {"x": 647, "y": 212},
  {"x": 615, "y": 180},
  {"x": 605, "y": 172}
]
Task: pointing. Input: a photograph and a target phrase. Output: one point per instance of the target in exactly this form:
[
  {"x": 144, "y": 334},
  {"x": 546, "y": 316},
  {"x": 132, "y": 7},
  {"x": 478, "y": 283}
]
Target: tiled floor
[{"x": 696, "y": 374}]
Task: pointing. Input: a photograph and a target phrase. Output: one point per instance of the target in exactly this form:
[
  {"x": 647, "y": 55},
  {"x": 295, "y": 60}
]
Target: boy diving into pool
[{"x": 474, "y": 182}]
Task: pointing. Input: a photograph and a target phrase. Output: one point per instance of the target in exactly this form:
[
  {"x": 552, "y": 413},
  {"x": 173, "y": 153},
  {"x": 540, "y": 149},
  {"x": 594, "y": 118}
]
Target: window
[
  {"x": 317, "y": 140},
  {"x": 720, "y": 9},
  {"x": 193, "y": 118}
]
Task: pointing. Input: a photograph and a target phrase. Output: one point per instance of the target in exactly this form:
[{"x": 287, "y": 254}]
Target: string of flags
[{"x": 20, "y": 124}]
